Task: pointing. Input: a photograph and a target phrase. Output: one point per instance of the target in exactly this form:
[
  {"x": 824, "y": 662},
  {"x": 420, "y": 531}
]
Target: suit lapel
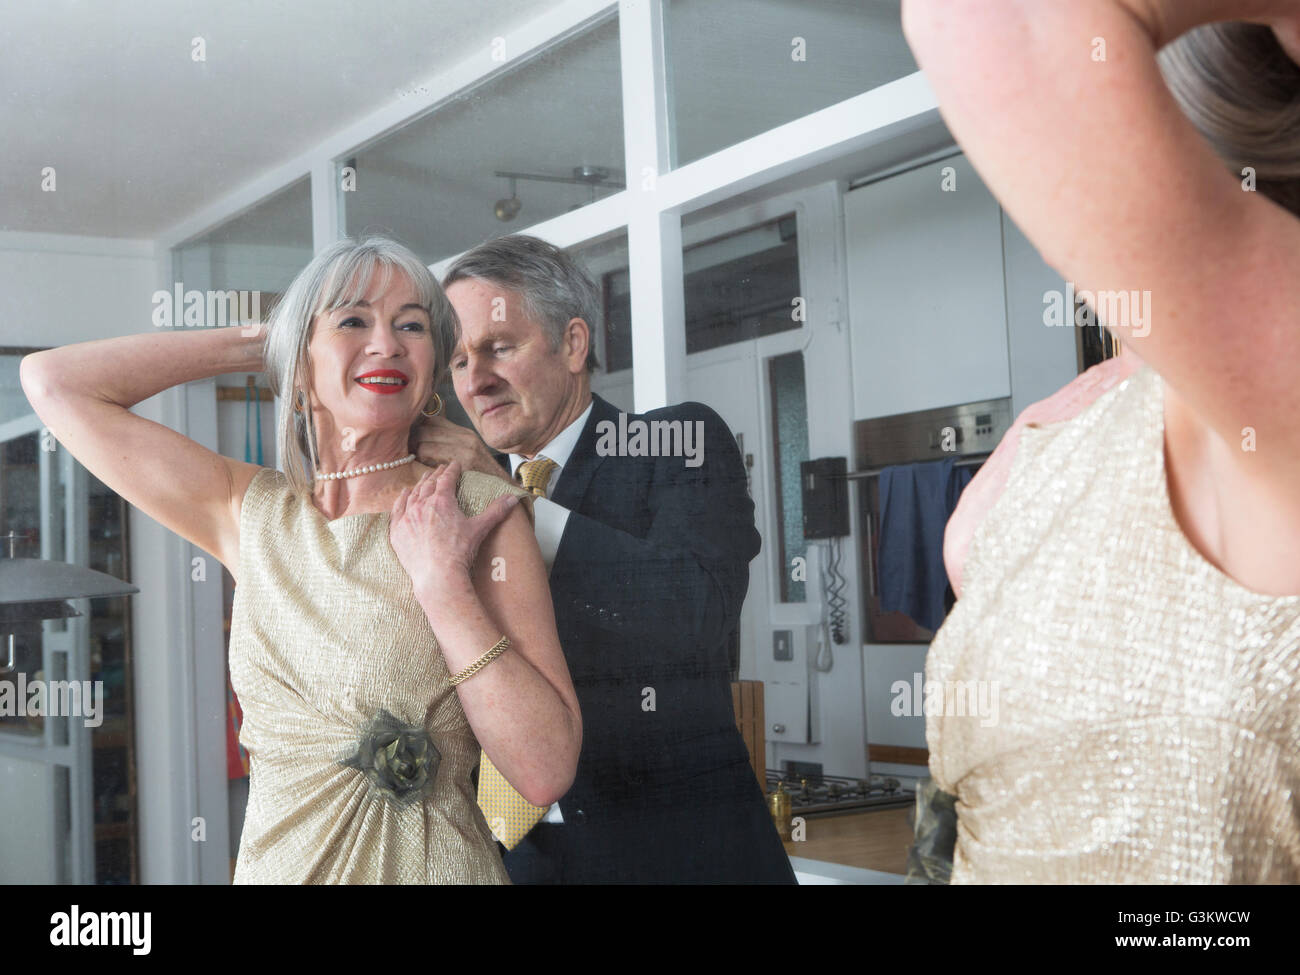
[{"x": 578, "y": 472}]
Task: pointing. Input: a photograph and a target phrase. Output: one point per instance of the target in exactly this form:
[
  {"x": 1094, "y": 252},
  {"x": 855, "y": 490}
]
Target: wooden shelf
[
  {"x": 239, "y": 394},
  {"x": 113, "y": 739},
  {"x": 114, "y": 831}
]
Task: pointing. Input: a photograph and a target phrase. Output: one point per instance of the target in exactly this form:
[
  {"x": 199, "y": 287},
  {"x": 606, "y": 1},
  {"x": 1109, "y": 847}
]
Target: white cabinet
[
  {"x": 926, "y": 292},
  {"x": 1043, "y": 358}
]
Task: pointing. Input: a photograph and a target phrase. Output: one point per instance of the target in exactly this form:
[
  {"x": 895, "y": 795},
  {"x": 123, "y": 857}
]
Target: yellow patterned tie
[
  {"x": 508, "y": 813},
  {"x": 536, "y": 474}
]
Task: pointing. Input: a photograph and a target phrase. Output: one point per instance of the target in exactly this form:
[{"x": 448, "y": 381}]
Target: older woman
[
  {"x": 389, "y": 618},
  {"x": 1128, "y": 579}
]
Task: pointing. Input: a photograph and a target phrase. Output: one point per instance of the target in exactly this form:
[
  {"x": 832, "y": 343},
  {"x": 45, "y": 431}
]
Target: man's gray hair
[
  {"x": 553, "y": 287},
  {"x": 338, "y": 277}
]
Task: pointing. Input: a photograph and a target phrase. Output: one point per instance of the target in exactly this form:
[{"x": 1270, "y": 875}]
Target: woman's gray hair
[
  {"x": 337, "y": 277},
  {"x": 1240, "y": 88},
  {"x": 552, "y": 285}
]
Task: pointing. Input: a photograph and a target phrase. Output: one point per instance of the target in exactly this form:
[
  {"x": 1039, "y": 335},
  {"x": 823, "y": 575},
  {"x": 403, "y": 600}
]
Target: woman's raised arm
[
  {"x": 1064, "y": 112},
  {"x": 83, "y": 394}
]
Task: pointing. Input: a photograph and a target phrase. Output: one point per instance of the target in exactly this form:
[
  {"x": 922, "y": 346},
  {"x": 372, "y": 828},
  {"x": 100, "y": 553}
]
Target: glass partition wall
[
  {"x": 616, "y": 124},
  {"x": 737, "y": 68}
]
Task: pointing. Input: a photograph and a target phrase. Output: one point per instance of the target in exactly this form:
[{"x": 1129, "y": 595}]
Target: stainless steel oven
[{"x": 968, "y": 432}]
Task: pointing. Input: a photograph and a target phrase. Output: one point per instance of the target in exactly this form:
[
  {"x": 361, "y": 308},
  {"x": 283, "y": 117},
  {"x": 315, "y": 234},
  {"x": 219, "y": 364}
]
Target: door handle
[{"x": 748, "y": 461}]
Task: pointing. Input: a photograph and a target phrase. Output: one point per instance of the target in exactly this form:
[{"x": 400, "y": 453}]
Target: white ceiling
[{"x": 140, "y": 135}]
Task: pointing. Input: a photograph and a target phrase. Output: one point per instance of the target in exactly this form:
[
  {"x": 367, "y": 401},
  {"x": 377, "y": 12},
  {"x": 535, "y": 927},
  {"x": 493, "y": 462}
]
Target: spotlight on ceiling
[
  {"x": 593, "y": 177},
  {"x": 508, "y": 208}
]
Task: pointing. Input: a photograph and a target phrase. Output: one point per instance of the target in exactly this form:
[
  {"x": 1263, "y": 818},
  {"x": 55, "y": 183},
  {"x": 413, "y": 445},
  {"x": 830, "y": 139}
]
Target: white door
[{"x": 724, "y": 379}]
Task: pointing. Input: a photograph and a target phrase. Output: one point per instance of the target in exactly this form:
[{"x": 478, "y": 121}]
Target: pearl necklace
[{"x": 370, "y": 469}]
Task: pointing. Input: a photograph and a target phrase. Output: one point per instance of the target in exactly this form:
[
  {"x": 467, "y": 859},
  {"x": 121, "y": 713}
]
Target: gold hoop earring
[
  {"x": 298, "y": 399},
  {"x": 436, "y": 410}
]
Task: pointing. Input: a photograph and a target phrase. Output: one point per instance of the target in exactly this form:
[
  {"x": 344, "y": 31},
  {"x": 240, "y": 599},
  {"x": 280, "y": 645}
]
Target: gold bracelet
[{"x": 498, "y": 648}]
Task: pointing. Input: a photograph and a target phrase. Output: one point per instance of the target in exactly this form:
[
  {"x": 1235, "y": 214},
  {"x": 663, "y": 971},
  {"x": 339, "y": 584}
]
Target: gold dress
[
  {"x": 360, "y": 753},
  {"x": 1134, "y": 713}
]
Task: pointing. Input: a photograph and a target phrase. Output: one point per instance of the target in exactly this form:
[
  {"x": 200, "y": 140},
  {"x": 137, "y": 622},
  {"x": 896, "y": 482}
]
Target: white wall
[
  {"x": 56, "y": 289},
  {"x": 926, "y": 291}
]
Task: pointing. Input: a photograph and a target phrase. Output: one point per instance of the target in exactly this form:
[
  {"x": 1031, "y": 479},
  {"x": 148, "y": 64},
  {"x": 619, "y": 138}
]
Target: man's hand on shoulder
[{"x": 437, "y": 440}]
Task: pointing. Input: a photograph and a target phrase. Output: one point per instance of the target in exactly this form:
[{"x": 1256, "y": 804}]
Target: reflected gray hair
[
  {"x": 337, "y": 277},
  {"x": 552, "y": 285},
  {"x": 1240, "y": 88}
]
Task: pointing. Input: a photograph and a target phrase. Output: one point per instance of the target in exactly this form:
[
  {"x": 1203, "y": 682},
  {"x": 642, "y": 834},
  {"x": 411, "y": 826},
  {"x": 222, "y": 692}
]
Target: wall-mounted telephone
[
  {"x": 826, "y": 516},
  {"x": 825, "y": 497}
]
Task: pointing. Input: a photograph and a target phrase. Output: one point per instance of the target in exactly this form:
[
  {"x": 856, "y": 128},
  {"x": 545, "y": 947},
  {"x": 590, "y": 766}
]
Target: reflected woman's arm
[{"x": 84, "y": 392}]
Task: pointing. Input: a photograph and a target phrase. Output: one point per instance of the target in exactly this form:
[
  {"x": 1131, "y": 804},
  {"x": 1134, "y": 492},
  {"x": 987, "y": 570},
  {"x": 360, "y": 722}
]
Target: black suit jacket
[{"x": 647, "y": 584}]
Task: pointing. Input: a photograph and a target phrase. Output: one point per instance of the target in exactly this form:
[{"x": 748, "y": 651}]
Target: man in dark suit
[{"x": 648, "y": 530}]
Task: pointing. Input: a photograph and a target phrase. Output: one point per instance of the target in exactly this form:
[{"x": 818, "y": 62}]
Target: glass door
[{"x": 45, "y": 753}]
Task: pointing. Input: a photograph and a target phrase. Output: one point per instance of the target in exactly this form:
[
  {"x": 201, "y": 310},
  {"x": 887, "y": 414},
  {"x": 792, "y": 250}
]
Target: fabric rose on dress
[{"x": 401, "y": 761}]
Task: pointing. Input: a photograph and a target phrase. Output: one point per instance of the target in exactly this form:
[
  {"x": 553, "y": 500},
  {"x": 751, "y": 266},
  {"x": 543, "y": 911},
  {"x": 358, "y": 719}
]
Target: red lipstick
[{"x": 386, "y": 382}]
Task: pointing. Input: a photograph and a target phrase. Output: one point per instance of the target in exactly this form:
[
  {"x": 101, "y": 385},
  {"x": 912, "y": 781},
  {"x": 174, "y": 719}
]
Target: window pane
[
  {"x": 261, "y": 250},
  {"x": 742, "y": 286},
  {"x": 557, "y": 121},
  {"x": 740, "y": 67},
  {"x": 739, "y": 287},
  {"x": 13, "y": 401},
  {"x": 790, "y": 425},
  {"x": 618, "y": 321},
  {"x": 606, "y": 261}
]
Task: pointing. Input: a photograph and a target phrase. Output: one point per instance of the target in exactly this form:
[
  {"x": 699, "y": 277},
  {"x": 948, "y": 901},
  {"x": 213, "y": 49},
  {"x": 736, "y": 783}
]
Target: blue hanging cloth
[
  {"x": 916, "y": 501},
  {"x": 252, "y": 407}
]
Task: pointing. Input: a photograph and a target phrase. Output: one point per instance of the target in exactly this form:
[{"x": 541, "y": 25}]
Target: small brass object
[{"x": 778, "y": 804}]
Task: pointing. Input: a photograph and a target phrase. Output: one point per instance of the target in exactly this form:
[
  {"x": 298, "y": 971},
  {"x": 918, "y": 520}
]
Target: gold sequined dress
[
  {"x": 361, "y": 754},
  {"x": 1140, "y": 715}
]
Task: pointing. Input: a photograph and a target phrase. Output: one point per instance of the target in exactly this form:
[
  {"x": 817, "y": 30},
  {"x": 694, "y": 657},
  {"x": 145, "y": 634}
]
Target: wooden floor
[{"x": 877, "y": 839}]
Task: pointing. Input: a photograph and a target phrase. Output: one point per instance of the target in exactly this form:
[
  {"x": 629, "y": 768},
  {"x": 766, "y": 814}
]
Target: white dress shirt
[{"x": 550, "y": 518}]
